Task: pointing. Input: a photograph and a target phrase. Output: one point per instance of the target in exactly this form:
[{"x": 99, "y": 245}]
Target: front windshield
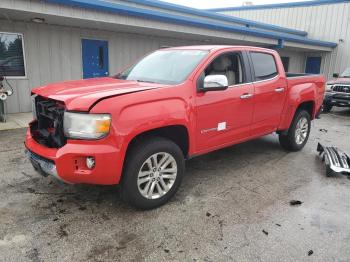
[
  {"x": 346, "y": 73},
  {"x": 165, "y": 66}
]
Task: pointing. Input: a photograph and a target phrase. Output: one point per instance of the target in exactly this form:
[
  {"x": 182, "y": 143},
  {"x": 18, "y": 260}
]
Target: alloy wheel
[
  {"x": 301, "y": 130},
  {"x": 157, "y": 175}
]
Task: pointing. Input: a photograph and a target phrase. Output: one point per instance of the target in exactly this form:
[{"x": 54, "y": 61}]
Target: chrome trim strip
[
  {"x": 347, "y": 85},
  {"x": 249, "y": 83}
]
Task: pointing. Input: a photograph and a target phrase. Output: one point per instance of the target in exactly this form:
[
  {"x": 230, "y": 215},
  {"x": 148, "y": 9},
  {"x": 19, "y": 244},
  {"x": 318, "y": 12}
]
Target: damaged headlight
[{"x": 86, "y": 126}]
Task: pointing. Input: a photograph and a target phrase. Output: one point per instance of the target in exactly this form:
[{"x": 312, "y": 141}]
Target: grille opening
[
  {"x": 47, "y": 130},
  {"x": 342, "y": 88}
]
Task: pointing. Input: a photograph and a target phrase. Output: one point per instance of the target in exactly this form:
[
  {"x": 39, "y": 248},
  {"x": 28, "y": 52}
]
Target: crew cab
[
  {"x": 137, "y": 128},
  {"x": 338, "y": 91}
]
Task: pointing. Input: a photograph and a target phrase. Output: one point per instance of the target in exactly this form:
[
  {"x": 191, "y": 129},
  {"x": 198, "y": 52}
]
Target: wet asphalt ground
[{"x": 233, "y": 205}]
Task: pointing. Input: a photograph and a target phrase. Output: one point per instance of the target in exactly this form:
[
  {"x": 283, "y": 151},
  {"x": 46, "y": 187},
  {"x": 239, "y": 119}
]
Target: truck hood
[
  {"x": 81, "y": 95},
  {"x": 340, "y": 80}
]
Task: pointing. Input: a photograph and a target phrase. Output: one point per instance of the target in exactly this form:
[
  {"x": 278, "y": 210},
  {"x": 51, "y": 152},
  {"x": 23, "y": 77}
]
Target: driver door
[{"x": 225, "y": 117}]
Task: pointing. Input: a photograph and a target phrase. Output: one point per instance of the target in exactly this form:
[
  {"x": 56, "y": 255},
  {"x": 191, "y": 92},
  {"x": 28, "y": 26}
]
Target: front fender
[
  {"x": 132, "y": 117},
  {"x": 138, "y": 118}
]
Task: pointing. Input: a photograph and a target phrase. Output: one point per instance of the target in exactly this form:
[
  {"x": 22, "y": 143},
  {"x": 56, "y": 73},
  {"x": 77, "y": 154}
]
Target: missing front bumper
[{"x": 335, "y": 159}]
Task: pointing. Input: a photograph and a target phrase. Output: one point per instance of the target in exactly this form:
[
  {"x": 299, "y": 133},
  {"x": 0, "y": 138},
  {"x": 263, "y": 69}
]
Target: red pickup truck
[{"x": 137, "y": 128}]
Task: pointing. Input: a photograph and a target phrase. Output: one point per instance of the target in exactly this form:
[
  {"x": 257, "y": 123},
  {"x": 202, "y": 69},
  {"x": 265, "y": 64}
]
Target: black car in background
[{"x": 338, "y": 91}]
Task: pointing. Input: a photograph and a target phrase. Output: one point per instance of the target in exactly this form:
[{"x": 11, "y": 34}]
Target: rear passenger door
[{"x": 270, "y": 88}]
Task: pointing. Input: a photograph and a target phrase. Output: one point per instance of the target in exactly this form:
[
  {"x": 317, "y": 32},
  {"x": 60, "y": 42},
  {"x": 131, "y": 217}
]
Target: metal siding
[
  {"x": 296, "y": 62},
  {"x": 329, "y": 22},
  {"x": 159, "y": 21},
  {"x": 53, "y": 53}
]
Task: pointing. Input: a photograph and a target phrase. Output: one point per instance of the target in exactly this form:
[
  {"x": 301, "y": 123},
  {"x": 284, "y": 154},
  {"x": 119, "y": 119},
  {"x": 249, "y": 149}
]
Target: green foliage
[{"x": 13, "y": 47}]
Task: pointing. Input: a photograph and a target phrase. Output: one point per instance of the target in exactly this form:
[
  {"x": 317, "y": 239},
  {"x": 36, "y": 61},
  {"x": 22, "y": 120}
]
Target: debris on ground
[
  {"x": 265, "y": 232},
  {"x": 31, "y": 190},
  {"x": 323, "y": 130},
  {"x": 279, "y": 225},
  {"x": 310, "y": 252},
  {"x": 208, "y": 214},
  {"x": 62, "y": 231},
  {"x": 295, "y": 202},
  {"x": 335, "y": 159}
]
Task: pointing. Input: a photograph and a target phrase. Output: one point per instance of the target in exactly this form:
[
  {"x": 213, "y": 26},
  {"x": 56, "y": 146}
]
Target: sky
[{"x": 203, "y": 4}]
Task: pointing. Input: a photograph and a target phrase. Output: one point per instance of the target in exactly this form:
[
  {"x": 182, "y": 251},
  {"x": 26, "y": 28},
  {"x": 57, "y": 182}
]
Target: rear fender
[{"x": 298, "y": 94}]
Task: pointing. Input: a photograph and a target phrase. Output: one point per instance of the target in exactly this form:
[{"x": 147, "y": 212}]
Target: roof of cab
[{"x": 216, "y": 47}]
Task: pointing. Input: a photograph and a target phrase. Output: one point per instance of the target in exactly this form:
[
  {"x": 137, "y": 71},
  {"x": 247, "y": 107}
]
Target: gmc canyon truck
[
  {"x": 137, "y": 128},
  {"x": 338, "y": 91}
]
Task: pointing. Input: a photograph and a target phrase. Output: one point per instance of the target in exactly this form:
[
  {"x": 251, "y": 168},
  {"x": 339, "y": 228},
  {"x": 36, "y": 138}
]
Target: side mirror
[
  {"x": 335, "y": 75},
  {"x": 215, "y": 83}
]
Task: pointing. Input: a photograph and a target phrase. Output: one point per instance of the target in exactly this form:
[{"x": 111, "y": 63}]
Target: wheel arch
[
  {"x": 307, "y": 105},
  {"x": 176, "y": 133}
]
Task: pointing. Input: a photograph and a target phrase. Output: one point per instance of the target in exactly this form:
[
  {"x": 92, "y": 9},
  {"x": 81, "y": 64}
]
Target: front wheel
[
  {"x": 153, "y": 172},
  {"x": 298, "y": 133},
  {"x": 327, "y": 108}
]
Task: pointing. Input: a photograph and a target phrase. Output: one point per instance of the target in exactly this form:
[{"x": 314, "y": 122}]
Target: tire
[
  {"x": 327, "y": 108},
  {"x": 290, "y": 140},
  {"x": 137, "y": 170}
]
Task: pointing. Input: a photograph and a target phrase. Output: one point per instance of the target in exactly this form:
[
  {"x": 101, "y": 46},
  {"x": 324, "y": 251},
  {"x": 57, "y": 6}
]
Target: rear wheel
[
  {"x": 153, "y": 173},
  {"x": 298, "y": 133}
]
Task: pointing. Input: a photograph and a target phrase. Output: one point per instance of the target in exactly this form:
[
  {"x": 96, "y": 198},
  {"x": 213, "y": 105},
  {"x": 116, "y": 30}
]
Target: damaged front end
[
  {"x": 335, "y": 159},
  {"x": 47, "y": 129}
]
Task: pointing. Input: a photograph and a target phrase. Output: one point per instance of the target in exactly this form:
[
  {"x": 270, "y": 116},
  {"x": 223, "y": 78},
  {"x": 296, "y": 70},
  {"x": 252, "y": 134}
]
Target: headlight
[
  {"x": 329, "y": 87},
  {"x": 86, "y": 126}
]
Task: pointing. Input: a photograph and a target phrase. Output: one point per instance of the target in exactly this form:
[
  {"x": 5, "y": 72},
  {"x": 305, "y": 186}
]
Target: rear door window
[{"x": 264, "y": 66}]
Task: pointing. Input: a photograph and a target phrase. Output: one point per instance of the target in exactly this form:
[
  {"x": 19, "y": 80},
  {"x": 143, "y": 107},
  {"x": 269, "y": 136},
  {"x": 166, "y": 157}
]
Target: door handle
[
  {"x": 246, "y": 96},
  {"x": 279, "y": 90}
]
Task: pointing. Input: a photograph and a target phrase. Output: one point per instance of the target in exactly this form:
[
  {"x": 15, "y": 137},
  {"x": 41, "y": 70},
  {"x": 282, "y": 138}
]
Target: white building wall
[
  {"x": 296, "y": 60},
  {"x": 53, "y": 49},
  {"x": 53, "y": 53},
  {"x": 329, "y": 22}
]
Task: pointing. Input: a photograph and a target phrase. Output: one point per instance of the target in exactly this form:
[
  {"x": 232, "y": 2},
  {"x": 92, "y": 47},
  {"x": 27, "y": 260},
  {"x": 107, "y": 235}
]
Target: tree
[
  {"x": 15, "y": 48},
  {"x": 3, "y": 49}
]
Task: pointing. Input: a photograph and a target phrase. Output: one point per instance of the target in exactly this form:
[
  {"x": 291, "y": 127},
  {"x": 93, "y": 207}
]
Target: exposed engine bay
[{"x": 47, "y": 129}]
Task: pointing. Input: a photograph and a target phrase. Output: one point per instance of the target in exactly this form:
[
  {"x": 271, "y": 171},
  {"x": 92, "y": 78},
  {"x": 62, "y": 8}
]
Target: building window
[
  {"x": 264, "y": 66},
  {"x": 11, "y": 55},
  {"x": 285, "y": 62}
]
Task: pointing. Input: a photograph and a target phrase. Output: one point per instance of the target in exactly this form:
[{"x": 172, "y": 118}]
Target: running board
[{"x": 336, "y": 160}]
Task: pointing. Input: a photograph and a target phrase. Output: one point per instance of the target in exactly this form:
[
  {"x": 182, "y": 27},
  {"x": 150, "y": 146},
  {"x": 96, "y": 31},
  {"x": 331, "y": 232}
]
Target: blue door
[
  {"x": 95, "y": 58},
  {"x": 313, "y": 65}
]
